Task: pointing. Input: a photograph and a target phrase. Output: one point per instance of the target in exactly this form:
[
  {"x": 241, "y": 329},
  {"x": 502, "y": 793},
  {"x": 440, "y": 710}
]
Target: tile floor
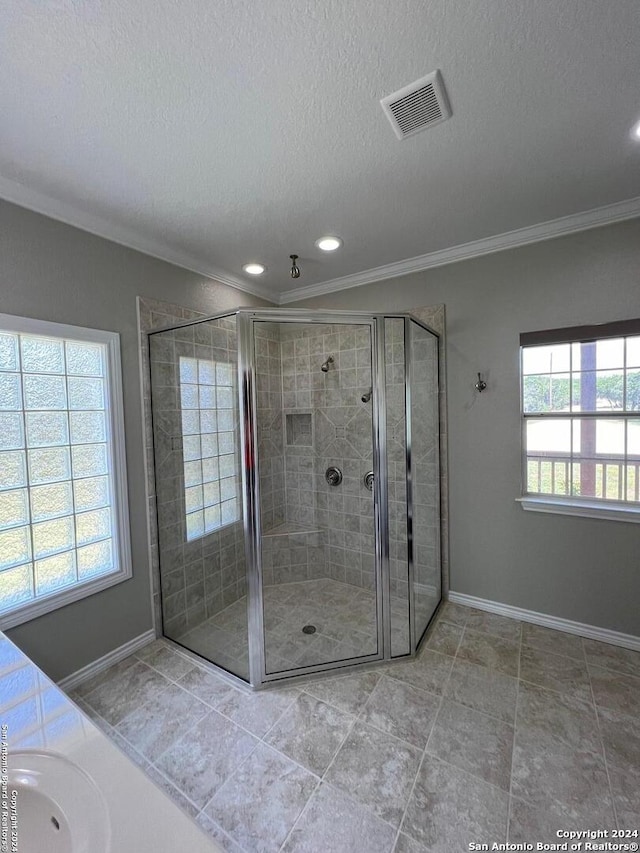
[
  {"x": 498, "y": 730},
  {"x": 344, "y": 616}
]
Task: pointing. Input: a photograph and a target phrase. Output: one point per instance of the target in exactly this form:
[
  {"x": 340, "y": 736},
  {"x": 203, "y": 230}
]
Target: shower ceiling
[{"x": 214, "y": 134}]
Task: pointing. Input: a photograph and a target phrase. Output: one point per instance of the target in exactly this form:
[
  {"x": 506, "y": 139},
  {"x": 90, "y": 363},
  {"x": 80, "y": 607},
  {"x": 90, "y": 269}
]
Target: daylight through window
[
  {"x": 581, "y": 412},
  {"x": 58, "y": 489}
]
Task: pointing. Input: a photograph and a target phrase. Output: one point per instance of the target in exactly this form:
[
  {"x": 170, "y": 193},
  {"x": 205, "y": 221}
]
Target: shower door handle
[{"x": 368, "y": 480}]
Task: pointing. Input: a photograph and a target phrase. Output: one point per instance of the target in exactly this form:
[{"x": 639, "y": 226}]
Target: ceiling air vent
[{"x": 418, "y": 106}]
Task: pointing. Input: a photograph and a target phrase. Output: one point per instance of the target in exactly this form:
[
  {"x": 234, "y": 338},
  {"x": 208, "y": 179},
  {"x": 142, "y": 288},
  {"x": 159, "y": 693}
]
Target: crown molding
[
  {"x": 69, "y": 214},
  {"x": 607, "y": 215}
]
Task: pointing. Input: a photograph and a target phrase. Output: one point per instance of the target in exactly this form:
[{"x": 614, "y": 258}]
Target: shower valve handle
[{"x": 333, "y": 476}]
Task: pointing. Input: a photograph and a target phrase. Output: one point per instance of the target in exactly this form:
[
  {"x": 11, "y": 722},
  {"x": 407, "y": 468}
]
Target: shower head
[
  {"x": 366, "y": 397},
  {"x": 325, "y": 366}
]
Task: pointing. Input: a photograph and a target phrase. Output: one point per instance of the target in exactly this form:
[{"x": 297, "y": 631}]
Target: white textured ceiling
[{"x": 218, "y": 131}]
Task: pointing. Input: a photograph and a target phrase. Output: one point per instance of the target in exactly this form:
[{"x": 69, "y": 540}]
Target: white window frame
[
  {"x": 118, "y": 475},
  {"x": 587, "y": 507}
]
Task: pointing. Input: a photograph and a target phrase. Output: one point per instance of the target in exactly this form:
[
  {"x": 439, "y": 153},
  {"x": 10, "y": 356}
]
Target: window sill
[
  {"x": 585, "y": 509},
  {"x": 32, "y": 609}
]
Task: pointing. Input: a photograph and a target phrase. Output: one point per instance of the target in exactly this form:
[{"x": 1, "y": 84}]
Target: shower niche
[{"x": 268, "y": 568}]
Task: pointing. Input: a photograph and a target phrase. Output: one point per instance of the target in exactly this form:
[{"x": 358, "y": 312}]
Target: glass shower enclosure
[{"x": 296, "y": 457}]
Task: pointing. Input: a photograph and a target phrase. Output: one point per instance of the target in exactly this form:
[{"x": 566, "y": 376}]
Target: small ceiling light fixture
[
  {"x": 329, "y": 244},
  {"x": 635, "y": 130},
  {"x": 295, "y": 269},
  {"x": 254, "y": 269}
]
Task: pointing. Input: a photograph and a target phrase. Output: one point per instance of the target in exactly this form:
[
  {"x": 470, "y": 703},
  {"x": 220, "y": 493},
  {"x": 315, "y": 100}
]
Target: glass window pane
[
  {"x": 89, "y": 460},
  {"x": 211, "y": 493},
  {"x": 10, "y": 393},
  {"x": 229, "y": 511},
  {"x": 598, "y": 391},
  {"x": 86, "y": 393},
  {"x": 87, "y": 427},
  {"x": 546, "y": 393},
  {"x": 9, "y": 352},
  {"x": 189, "y": 396},
  {"x": 190, "y": 422},
  {"x": 206, "y": 372},
  {"x": 209, "y": 420},
  {"x": 188, "y": 370},
  {"x": 44, "y": 392},
  {"x": 95, "y": 559},
  {"x": 633, "y": 439},
  {"x": 15, "y": 547},
  {"x": 47, "y": 429},
  {"x": 210, "y": 469},
  {"x": 195, "y": 524},
  {"x": 548, "y": 436},
  {"x": 84, "y": 359},
  {"x": 91, "y": 526},
  {"x": 227, "y": 465},
  {"x": 55, "y": 572},
  {"x": 193, "y": 498},
  {"x": 209, "y": 444},
  {"x": 207, "y": 396},
  {"x": 225, "y": 442},
  {"x": 192, "y": 473},
  {"x": 212, "y": 517},
  {"x": 49, "y": 465},
  {"x": 51, "y": 501},
  {"x": 51, "y": 537},
  {"x": 546, "y": 359},
  {"x": 632, "y": 403},
  {"x": 11, "y": 431},
  {"x": 633, "y": 352},
  {"x": 228, "y": 488},
  {"x": 224, "y": 398},
  {"x": 191, "y": 447},
  {"x": 13, "y": 472},
  {"x": 224, "y": 374},
  {"x": 41, "y": 355},
  {"x": 609, "y": 353},
  {"x": 16, "y": 586},
  {"x": 14, "y": 508},
  {"x": 91, "y": 493}
]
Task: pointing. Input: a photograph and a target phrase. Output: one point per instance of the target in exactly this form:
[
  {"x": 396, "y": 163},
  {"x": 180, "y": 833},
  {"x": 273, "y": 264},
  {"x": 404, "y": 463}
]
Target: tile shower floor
[
  {"x": 343, "y": 615},
  {"x": 498, "y": 730}
]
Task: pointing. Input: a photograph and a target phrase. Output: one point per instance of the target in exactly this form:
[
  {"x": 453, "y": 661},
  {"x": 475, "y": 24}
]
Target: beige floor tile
[
  {"x": 555, "y": 672},
  {"x": 487, "y": 650},
  {"x": 348, "y": 693},
  {"x": 483, "y": 689},
  {"x": 491, "y": 623},
  {"x": 612, "y": 657},
  {"x": 335, "y": 823},
  {"x": 259, "y": 804},
  {"x": 377, "y": 770},
  {"x": 614, "y": 690},
  {"x": 450, "y": 808},
  {"x": 400, "y": 710},
  {"x": 474, "y": 742},
  {"x": 554, "y": 642},
  {"x": 560, "y": 715}
]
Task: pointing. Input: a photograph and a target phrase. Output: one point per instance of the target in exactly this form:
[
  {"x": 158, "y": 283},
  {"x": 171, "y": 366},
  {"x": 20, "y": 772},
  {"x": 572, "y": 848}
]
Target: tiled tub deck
[{"x": 499, "y": 730}]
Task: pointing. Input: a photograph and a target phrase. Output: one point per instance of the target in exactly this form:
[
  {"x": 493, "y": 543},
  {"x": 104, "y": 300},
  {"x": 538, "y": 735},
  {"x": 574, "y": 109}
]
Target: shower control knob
[
  {"x": 368, "y": 480},
  {"x": 333, "y": 476}
]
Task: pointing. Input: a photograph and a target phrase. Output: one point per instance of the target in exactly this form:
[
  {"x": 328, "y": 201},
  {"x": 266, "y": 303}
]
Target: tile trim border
[
  {"x": 115, "y": 656},
  {"x": 591, "y": 632}
]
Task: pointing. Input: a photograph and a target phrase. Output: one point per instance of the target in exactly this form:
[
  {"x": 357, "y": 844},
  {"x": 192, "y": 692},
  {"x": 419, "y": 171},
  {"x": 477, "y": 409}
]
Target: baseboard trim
[
  {"x": 91, "y": 669},
  {"x": 592, "y": 632}
]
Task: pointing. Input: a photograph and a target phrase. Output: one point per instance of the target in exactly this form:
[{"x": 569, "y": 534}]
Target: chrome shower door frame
[{"x": 246, "y": 319}]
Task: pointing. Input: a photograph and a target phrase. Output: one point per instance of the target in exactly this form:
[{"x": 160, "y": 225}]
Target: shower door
[{"x": 315, "y": 517}]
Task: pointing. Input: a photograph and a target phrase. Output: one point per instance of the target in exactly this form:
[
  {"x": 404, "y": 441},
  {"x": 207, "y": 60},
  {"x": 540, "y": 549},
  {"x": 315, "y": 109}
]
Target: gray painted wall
[
  {"x": 577, "y": 568},
  {"x": 55, "y": 272}
]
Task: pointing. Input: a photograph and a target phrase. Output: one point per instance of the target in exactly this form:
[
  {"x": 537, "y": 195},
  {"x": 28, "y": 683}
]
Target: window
[
  {"x": 209, "y": 447},
  {"x": 63, "y": 500},
  {"x": 581, "y": 418}
]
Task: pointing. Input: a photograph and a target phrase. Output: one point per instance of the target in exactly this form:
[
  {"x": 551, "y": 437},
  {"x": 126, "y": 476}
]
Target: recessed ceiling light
[
  {"x": 254, "y": 269},
  {"x": 329, "y": 244},
  {"x": 635, "y": 131}
]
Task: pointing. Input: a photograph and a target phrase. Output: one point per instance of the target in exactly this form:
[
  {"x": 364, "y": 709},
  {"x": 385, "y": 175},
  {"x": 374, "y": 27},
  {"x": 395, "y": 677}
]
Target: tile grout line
[
  {"x": 515, "y": 725},
  {"x": 424, "y": 751},
  {"x": 602, "y": 747}
]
